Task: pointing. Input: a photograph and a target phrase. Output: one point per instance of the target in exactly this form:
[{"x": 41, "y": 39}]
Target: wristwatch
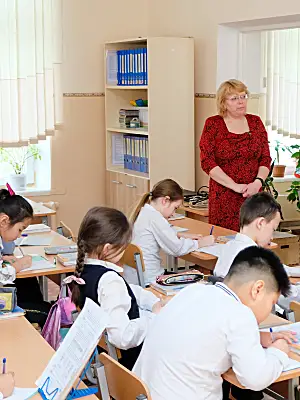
[
  {"x": 261, "y": 181},
  {"x": 1, "y": 396}
]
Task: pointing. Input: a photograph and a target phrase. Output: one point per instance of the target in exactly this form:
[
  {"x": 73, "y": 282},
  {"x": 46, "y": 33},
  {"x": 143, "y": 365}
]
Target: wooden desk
[
  {"x": 60, "y": 270},
  {"x": 46, "y": 215},
  {"x": 291, "y": 376},
  {"x": 26, "y": 351},
  {"x": 200, "y": 214}
]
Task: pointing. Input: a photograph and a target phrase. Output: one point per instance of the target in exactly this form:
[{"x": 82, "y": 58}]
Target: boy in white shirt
[
  {"x": 207, "y": 329},
  {"x": 260, "y": 216}
]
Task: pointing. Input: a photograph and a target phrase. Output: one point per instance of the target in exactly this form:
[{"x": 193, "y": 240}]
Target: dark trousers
[{"x": 240, "y": 394}]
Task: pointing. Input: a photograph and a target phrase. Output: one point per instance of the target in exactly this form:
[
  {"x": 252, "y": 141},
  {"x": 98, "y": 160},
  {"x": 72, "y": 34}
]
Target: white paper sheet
[
  {"x": 38, "y": 263},
  {"x": 74, "y": 352},
  {"x": 21, "y": 394},
  {"x": 214, "y": 250},
  {"x": 34, "y": 240},
  {"x": 179, "y": 229}
]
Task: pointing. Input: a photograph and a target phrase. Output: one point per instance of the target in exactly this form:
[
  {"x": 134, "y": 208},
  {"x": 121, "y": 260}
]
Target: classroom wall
[
  {"x": 200, "y": 19},
  {"x": 78, "y": 152},
  {"x": 78, "y": 166}
]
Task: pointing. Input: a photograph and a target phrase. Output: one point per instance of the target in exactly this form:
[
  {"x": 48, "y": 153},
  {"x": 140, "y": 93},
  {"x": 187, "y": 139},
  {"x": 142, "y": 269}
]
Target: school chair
[
  {"x": 295, "y": 307},
  {"x": 117, "y": 382},
  {"x": 65, "y": 231},
  {"x": 133, "y": 257}
]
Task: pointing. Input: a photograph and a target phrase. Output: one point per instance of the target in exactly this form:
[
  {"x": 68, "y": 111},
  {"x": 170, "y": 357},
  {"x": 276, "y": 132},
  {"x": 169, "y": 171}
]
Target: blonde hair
[
  {"x": 233, "y": 86},
  {"x": 164, "y": 188}
]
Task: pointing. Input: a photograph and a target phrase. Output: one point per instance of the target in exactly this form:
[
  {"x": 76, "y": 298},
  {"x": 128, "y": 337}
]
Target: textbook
[
  {"x": 67, "y": 259},
  {"x": 16, "y": 312},
  {"x": 37, "y": 228},
  {"x": 169, "y": 290}
]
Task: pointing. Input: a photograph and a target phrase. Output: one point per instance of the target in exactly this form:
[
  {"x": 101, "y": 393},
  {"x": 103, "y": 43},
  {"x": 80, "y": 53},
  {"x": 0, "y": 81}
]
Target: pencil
[{"x": 212, "y": 229}]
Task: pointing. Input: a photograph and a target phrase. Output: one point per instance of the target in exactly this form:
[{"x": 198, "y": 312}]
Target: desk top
[
  {"x": 26, "y": 351},
  {"x": 39, "y": 210},
  {"x": 57, "y": 240},
  {"x": 199, "y": 211}
]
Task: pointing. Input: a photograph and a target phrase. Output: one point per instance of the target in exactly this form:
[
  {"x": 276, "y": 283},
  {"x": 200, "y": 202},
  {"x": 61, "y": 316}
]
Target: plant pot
[
  {"x": 278, "y": 171},
  {"x": 18, "y": 182}
]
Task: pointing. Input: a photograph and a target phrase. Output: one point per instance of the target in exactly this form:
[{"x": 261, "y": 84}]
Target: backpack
[{"x": 60, "y": 315}]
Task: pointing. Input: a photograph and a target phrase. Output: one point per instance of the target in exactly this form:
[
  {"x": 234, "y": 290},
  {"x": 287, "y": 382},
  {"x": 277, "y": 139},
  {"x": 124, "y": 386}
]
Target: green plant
[
  {"x": 18, "y": 156},
  {"x": 269, "y": 183},
  {"x": 279, "y": 147},
  {"x": 294, "y": 193},
  {"x": 294, "y": 149}
]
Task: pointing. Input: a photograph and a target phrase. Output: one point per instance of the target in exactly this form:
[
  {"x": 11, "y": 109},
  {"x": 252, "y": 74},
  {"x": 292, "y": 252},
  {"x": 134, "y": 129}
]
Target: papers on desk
[
  {"x": 34, "y": 240},
  {"x": 21, "y": 394},
  {"x": 67, "y": 363},
  {"x": 170, "y": 290},
  {"x": 293, "y": 272},
  {"x": 39, "y": 262},
  {"x": 179, "y": 229},
  {"x": 17, "y": 312},
  {"x": 37, "y": 228},
  {"x": 214, "y": 250},
  {"x": 176, "y": 216}
]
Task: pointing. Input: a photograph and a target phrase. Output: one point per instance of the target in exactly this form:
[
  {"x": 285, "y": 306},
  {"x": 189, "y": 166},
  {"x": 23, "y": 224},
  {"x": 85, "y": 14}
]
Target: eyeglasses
[{"x": 237, "y": 98}]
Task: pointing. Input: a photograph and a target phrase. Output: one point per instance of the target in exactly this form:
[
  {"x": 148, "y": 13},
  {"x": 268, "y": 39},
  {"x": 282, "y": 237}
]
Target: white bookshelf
[{"x": 170, "y": 131}]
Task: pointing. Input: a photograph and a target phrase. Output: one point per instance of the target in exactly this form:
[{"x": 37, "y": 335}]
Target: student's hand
[
  {"x": 281, "y": 344},
  {"x": 160, "y": 304},
  {"x": 22, "y": 263},
  {"x": 288, "y": 336},
  {"x": 7, "y": 384},
  {"x": 239, "y": 188},
  {"x": 252, "y": 188},
  {"x": 206, "y": 241}
]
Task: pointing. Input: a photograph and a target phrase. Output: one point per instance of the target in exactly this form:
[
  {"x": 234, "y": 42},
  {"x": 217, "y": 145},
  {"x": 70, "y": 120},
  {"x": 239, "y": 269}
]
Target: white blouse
[
  {"x": 153, "y": 233},
  {"x": 113, "y": 297},
  {"x": 7, "y": 273}
]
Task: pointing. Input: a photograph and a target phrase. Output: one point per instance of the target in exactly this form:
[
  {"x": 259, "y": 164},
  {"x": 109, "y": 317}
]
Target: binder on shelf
[
  {"x": 146, "y": 66},
  {"x": 135, "y": 70},
  {"x": 130, "y": 67},
  {"x": 119, "y": 67},
  {"x": 147, "y": 155},
  {"x": 143, "y": 154},
  {"x": 122, "y": 67},
  {"x": 129, "y": 153},
  {"x": 126, "y": 67},
  {"x": 137, "y": 159},
  {"x": 125, "y": 151}
]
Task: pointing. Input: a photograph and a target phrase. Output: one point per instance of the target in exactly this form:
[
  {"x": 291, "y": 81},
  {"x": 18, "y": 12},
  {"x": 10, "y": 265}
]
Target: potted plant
[
  {"x": 279, "y": 169},
  {"x": 295, "y": 154},
  {"x": 294, "y": 191},
  {"x": 17, "y": 158}
]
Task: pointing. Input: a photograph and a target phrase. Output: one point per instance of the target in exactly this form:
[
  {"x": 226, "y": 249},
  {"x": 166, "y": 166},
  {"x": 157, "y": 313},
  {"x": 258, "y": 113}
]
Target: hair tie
[
  {"x": 11, "y": 192},
  {"x": 73, "y": 278},
  {"x": 150, "y": 194}
]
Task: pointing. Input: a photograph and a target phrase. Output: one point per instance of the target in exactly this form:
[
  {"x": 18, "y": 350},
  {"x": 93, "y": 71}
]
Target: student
[
  {"x": 207, "y": 329},
  {"x": 15, "y": 215},
  {"x": 260, "y": 216},
  {"x": 7, "y": 384},
  {"x": 103, "y": 236},
  {"x": 152, "y": 232}
]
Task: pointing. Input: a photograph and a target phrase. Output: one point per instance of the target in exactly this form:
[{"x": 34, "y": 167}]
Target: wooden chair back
[
  {"x": 295, "y": 307},
  {"x": 122, "y": 384},
  {"x": 66, "y": 231},
  {"x": 133, "y": 257}
]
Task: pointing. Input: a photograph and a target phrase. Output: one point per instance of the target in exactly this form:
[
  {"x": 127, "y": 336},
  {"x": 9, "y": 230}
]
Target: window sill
[
  {"x": 35, "y": 192},
  {"x": 286, "y": 178}
]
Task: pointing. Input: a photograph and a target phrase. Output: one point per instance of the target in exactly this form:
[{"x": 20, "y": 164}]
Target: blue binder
[
  {"x": 119, "y": 67},
  {"x": 146, "y": 66},
  {"x": 125, "y": 151},
  {"x": 143, "y": 154}
]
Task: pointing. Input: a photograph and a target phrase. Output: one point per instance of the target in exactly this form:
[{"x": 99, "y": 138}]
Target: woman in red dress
[{"x": 234, "y": 152}]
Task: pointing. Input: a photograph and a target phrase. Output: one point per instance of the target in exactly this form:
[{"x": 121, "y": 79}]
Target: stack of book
[
  {"x": 136, "y": 153},
  {"x": 125, "y": 116},
  {"x": 132, "y": 67}
]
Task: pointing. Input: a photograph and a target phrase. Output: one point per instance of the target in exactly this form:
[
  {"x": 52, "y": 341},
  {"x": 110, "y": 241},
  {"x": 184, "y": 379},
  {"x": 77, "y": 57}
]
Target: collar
[
  {"x": 1, "y": 243},
  {"x": 107, "y": 264},
  {"x": 226, "y": 289},
  {"x": 241, "y": 237}
]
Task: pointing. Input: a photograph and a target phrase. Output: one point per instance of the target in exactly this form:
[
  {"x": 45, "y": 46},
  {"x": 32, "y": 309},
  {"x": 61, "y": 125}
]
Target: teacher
[{"x": 234, "y": 152}]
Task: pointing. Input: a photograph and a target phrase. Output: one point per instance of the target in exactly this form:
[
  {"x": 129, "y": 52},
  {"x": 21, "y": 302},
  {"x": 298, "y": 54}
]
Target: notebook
[
  {"x": 39, "y": 262},
  {"x": 179, "y": 229},
  {"x": 17, "y": 312},
  {"x": 176, "y": 216},
  {"x": 37, "y": 228},
  {"x": 67, "y": 259},
  {"x": 34, "y": 240}
]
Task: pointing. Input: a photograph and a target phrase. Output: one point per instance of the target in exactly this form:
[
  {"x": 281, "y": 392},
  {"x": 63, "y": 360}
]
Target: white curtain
[
  {"x": 282, "y": 78},
  {"x": 30, "y": 70}
]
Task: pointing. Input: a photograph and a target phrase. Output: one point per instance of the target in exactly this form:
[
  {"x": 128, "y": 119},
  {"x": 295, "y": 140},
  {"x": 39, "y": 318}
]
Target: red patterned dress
[{"x": 239, "y": 156}]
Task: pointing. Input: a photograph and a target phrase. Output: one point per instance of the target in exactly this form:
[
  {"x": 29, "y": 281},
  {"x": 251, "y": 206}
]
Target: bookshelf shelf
[
  {"x": 169, "y": 139},
  {"x": 137, "y": 131},
  {"x": 123, "y": 87}
]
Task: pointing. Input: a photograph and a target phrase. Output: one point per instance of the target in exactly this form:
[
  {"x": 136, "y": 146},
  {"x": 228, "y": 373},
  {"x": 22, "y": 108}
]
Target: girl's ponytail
[
  {"x": 145, "y": 199},
  {"x": 78, "y": 271}
]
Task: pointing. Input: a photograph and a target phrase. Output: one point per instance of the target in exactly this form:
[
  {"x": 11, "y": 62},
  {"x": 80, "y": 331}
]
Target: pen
[
  {"x": 4, "y": 366},
  {"x": 21, "y": 251},
  {"x": 271, "y": 332},
  {"x": 212, "y": 229}
]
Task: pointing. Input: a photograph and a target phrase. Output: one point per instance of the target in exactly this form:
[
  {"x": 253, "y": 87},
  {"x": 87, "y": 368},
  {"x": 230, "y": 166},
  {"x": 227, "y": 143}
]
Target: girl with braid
[{"x": 103, "y": 236}]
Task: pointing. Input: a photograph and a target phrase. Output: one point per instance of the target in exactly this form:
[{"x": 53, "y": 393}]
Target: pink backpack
[{"x": 59, "y": 314}]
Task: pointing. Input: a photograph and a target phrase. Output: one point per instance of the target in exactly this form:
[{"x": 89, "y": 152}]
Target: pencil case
[
  {"x": 8, "y": 299},
  {"x": 179, "y": 279}
]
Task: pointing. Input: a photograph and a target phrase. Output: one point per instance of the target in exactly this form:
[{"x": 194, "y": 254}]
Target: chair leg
[
  {"x": 102, "y": 382},
  {"x": 140, "y": 274}
]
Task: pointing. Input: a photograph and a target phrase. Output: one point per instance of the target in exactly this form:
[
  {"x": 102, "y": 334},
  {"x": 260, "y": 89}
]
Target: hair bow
[
  {"x": 73, "y": 278},
  {"x": 11, "y": 192}
]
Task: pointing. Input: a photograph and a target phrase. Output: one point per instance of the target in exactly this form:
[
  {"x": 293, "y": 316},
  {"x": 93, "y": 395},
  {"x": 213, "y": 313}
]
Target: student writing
[
  {"x": 152, "y": 232},
  {"x": 7, "y": 384},
  {"x": 103, "y": 236},
  {"x": 220, "y": 324}
]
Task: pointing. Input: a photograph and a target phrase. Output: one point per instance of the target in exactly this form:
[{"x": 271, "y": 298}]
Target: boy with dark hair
[{"x": 220, "y": 323}]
